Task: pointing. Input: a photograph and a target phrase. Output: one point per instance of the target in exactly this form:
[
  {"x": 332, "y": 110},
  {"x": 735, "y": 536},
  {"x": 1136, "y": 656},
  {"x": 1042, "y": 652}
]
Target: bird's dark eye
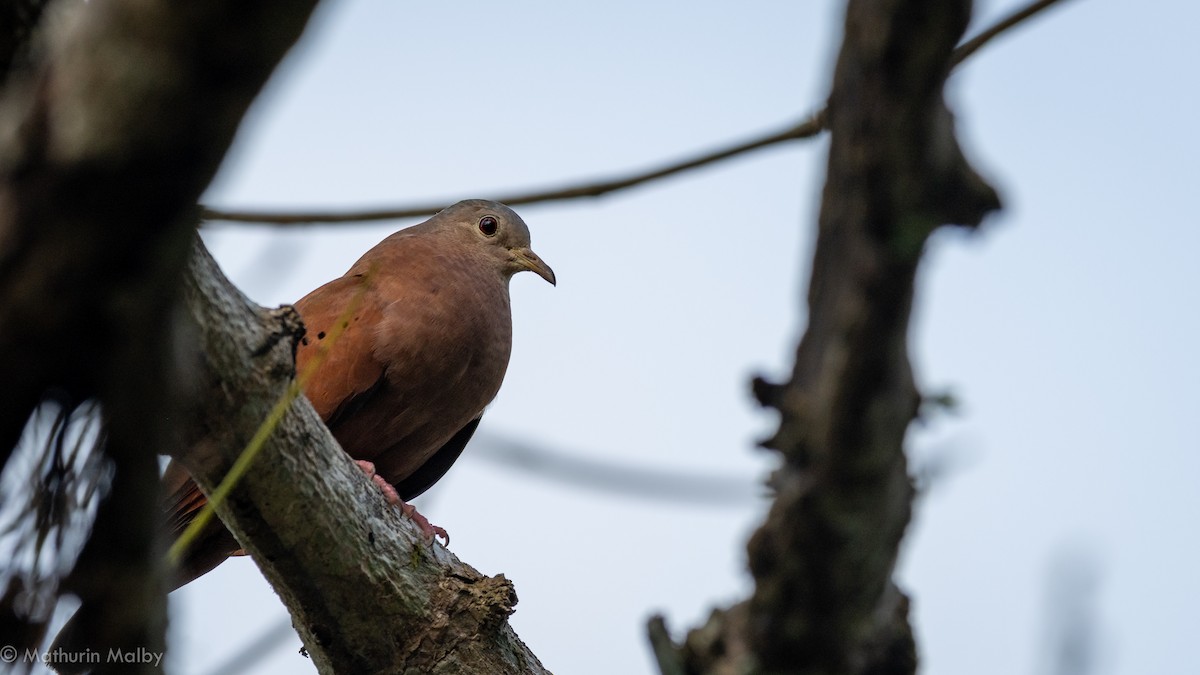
[{"x": 488, "y": 226}]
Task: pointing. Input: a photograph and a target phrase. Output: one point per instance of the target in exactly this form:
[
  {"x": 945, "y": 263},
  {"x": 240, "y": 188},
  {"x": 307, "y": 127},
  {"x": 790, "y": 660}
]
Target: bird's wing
[
  {"x": 349, "y": 374},
  {"x": 347, "y": 377},
  {"x": 182, "y": 501},
  {"x": 432, "y": 470}
]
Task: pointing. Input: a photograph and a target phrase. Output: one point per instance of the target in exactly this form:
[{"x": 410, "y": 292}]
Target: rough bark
[
  {"x": 824, "y": 601},
  {"x": 367, "y": 594}
]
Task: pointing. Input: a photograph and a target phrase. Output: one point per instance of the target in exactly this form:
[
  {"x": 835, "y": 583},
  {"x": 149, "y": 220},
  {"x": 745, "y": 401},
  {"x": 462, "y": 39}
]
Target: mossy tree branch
[{"x": 366, "y": 592}]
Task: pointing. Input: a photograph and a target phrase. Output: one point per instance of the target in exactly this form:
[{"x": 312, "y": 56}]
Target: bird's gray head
[{"x": 495, "y": 229}]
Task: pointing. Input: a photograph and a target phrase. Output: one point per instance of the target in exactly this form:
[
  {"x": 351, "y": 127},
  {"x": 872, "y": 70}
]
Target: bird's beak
[{"x": 529, "y": 260}]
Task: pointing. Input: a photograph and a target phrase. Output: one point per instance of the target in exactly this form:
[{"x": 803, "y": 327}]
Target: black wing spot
[{"x": 321, "y": 335}]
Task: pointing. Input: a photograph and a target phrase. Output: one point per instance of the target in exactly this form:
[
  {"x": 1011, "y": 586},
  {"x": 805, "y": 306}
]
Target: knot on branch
[
  {"x": 488, "y": 601},
  {"x": 494, "y": 600},
  {"x": 286, "y": 323}
]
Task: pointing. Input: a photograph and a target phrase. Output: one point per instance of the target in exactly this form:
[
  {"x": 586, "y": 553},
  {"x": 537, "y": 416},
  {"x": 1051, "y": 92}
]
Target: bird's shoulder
[{"x": 338, "y": 344}]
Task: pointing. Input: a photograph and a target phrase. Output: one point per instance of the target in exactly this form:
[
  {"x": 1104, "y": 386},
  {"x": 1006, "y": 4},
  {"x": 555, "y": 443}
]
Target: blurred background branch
[{"x": 612, "y": 478}]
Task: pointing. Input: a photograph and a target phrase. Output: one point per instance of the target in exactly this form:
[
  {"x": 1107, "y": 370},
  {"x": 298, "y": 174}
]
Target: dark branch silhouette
[
  {"x": 104, "y": 158},
  {"x": 824, "y": 600}
]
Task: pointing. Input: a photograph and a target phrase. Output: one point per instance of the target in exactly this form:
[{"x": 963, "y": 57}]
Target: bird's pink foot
[
  {"x": 389, "y": 493},
  {"x": 427, "y": 528}
]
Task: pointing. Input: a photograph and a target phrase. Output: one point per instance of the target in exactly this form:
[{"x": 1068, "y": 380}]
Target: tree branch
[
  {"x": 806, "y": 128},
  {"x": 824, "y": 601},
  {"x": 366, "y": 593}
]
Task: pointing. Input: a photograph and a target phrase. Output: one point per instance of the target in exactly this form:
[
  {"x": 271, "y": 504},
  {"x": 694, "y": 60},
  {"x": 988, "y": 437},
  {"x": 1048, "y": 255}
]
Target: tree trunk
[{"x": 824, "y": 601}]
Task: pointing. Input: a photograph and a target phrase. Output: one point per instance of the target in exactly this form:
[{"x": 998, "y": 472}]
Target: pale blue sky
[{"x": 1066, "y": 326}]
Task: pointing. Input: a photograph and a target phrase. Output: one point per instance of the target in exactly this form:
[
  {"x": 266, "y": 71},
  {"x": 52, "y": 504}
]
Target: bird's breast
[
  {"x": 445, "y": 348},
  {"x": 446, "y": 334}
]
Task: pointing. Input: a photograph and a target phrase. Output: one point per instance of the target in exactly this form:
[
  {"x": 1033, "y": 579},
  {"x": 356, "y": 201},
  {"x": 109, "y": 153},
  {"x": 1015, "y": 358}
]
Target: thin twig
[
  {"x": 966, "y": 49},
  {"x": 625, "y": 480},
  {"x": 806, "y": 128}
]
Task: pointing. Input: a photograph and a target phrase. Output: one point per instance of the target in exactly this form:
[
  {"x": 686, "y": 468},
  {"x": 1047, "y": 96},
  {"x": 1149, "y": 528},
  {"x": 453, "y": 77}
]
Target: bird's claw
[
  {"x": 429, "y": 530},
  {"x": 389, "y": 492}
]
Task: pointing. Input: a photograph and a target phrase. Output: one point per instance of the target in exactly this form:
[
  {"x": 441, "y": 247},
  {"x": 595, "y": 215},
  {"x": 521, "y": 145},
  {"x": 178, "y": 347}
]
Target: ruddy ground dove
[{"x": 404, "y": 386}]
